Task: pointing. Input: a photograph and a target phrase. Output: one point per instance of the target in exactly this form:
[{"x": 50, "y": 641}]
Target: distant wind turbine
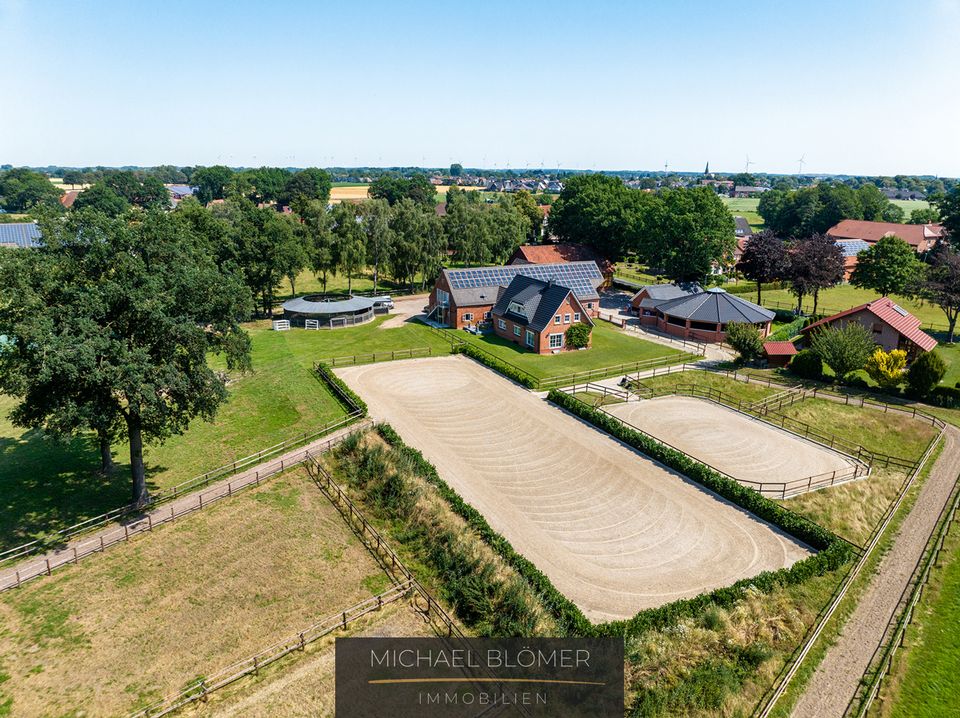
[
  {"x": 800, "y": 162},
  {"x": 746, "y": 167}
]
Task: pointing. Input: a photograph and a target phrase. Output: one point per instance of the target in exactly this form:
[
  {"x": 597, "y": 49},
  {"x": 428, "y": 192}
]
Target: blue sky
[{"x": 856, "y": 86}]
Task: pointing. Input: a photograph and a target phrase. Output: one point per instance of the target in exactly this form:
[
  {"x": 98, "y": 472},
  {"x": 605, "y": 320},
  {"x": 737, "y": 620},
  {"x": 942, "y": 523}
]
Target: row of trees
[
  {"x": 680, "y": 232},
  {"x": 815, "y": 209}
]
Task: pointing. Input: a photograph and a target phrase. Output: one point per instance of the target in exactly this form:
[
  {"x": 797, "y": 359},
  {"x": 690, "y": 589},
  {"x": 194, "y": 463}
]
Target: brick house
[
  {"x": 892, "y": 326},
  {"x": 465, "y": 297},
  {"x": 919, "y": 236},
  {"x": 536, "y": 315}
]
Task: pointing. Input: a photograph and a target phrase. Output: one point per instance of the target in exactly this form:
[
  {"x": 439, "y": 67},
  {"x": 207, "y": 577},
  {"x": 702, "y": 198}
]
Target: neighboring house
[
  {"x": 69, "y": 197},
  {"x": 778, "y": 354},
  {"x": 903, "y": 194},
  {"x": 746, "y": 191},
  {"x": 919, "y": 236},
  {"x": 557, "y": 253},
  {"x": 22, "y": 235},
  {"x": 690, "y": 312},
  {"x": 851, "y": 248},
  {"x": 741, "y": 228},
  {"x": 536, "y": 314},
  {"x": 465, "y": 297},
  {"x": 179, "y": 192},
  {"x": 892, "y": 326}
]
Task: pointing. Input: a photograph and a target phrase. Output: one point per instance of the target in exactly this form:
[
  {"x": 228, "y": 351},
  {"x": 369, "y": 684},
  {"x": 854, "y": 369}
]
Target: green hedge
[
  {"x": 488, "y": 359},
  {"x": 344, "y": 393},
  {"x": 786, "y": 333}
]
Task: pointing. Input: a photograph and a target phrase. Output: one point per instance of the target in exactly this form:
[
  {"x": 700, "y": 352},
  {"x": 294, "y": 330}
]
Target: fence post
[
  {"x": 48, "y": 567},
  {"x": 150, "y": 521},
  {"x": 18, "y": 578}
]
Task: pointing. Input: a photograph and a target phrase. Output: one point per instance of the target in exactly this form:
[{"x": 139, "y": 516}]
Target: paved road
[{"x": 835, "y": 681}]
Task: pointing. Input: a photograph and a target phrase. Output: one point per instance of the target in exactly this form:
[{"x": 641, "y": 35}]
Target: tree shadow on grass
[{"x": 48, "y": 484}]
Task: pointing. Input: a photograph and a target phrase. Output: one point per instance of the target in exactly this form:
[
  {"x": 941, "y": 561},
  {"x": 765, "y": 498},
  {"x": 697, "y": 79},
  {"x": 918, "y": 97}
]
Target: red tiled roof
[
  {"x": 69, "y": 197},
  {"x": 779, "y": 348},
  {"x": 554, "y": 253},
  {"x": 890, "y": 313},
  {"x": 913, "y": 234}
]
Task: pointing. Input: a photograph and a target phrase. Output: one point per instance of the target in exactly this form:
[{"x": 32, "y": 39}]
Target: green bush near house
[
  {"x": 745, "y": 339},
  {"x": 578, "y": 336},
  {"x": 925, "y": 373}
]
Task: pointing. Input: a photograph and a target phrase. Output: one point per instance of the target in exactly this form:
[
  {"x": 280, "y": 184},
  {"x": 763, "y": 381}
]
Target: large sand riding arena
[
  {"x": 614, "y": 531},
  {"x": 747, "y": 449}
]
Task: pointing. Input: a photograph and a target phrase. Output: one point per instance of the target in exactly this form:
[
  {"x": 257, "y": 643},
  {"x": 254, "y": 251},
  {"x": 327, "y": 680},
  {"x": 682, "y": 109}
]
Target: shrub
[
  {"x": 786, "y": 333},
  {"x": 857, "y": 382},
  {"x": 843, "y": 349},
  {"x": 887, "y": 369},
  {"x": 807, "y": 364},
  {"x": 745, "y": 339},
  {"x": 341, "y": 391},
  {"x": 508, "y": 370},
  {"x": 945, "y": 396},
  {"x": 785, "y": 315},
  {"x": 925, "y": 373},
  {"x": 578, "y": 336}
]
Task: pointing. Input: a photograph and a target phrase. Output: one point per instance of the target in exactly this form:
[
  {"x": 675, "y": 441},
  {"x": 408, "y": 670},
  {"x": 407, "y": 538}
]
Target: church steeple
[{"x": 706, "y": 171}]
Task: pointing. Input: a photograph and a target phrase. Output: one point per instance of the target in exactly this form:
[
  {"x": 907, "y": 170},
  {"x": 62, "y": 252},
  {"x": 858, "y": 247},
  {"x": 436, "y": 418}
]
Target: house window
[
  {"x": 443, "y": 298},
  {"x": 878, "y": 329},
  {"x": 530, "y": 336},
  {"x": 566, "y": 318},
  {"x": 502, "y": 324},
  {"x": 486, "y": 315},
  {"x": 516, "y": 330},
  {"x": 576, "y": 316},
  {"x": 556, "y": 319},
  {"x": 589, "y": 305},
  {"x": 468, "y": 317},
  {"x": 556, "y": 341}
]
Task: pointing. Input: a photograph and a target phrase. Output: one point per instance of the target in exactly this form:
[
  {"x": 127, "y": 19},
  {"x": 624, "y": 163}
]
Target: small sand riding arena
[
  {"x": 613, "y": 530},
  {"x": 763, "y": 457}
]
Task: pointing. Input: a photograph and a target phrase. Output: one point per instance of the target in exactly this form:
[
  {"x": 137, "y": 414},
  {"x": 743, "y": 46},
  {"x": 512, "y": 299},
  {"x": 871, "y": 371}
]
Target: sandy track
[
  {"x": 614, "y": 531},
  {"x": 745, "y": 448},
  {"x": 835, "y": 681}
]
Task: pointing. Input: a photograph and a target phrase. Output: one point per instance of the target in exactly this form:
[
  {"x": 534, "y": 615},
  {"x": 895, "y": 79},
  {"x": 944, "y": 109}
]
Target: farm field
[
  {"x": 748, "y": 449},
  {"x": 610, "y": 347},
  {"x": 908, "y": 205},
  {"x": 48, "y": 485},
  {"x": 148, "y": 617},
  {"x": 593, "y": 515},
  {"x": 745, "y": 207}
]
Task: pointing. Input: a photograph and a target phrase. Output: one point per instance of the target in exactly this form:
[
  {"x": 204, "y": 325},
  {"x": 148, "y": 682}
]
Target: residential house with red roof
[
  {"x": 892, "y": 326},
  {"x": 559, "y": 253},
  {"x": 919, "y": 236}
]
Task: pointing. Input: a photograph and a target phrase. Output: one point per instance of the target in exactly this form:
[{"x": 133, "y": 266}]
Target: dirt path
[
  {"x": 405, "y": 309},
  {"x": 116, "y": 532},
  {"x": 835, "y": 680}
]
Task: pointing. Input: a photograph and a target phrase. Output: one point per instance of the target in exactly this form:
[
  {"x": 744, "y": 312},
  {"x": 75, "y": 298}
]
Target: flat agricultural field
[
  {"x": 349, "y": 192},
  {"x": 145, "y": 618},
  {"x": 743, "y": 447},
  {"x": 614, "y": 531}
]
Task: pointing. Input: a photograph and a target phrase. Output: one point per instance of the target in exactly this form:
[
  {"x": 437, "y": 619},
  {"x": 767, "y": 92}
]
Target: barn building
[
  {"x": 557, "y": 253},
  {"x": 892, "y": 326},
  {"x": 536, "y": 314},
  {"x": 690, "y": 312},
  {"x": 465, "y": 297},
  {"x": 23, "y": 235}
]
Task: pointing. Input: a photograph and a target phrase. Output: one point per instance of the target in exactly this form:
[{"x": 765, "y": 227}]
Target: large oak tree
[{"x": 109, "y": 325}]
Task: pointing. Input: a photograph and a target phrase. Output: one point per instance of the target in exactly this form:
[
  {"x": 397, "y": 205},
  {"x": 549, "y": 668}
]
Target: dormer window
[{"x": 515, "y": 307}]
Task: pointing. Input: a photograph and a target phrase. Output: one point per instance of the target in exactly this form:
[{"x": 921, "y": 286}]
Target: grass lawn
[
  {"x": 893, "y": 434},
  {"x": 147, "y": 617},
  {"x": 46, "y": 485},
  {"x": 731, "y": 387},
  {"x": 745, "y": 207},
  {"x": 924, "y": 683},
  {"x": 908, "y": 205},
  {"x": 610, "y": 347},
  {"x": 844, "y": 296}
]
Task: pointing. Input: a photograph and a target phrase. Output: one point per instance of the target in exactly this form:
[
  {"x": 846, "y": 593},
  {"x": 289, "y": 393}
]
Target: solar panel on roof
[{"x": 900, "y": 310}]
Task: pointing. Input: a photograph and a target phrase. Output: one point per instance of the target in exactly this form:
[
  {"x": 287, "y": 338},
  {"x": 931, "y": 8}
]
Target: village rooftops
[{"x": 918, "y": 236}]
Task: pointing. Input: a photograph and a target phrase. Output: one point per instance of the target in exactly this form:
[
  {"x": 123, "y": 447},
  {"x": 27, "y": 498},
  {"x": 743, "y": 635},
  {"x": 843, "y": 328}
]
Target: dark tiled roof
[
  {"x": 742, "y": 227},
  {"x": 715, "y": 306},
  {"x": 540, "y": 302},
  {"x": 19, "y": 234},
  {"x": 478, "y": 286}
]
